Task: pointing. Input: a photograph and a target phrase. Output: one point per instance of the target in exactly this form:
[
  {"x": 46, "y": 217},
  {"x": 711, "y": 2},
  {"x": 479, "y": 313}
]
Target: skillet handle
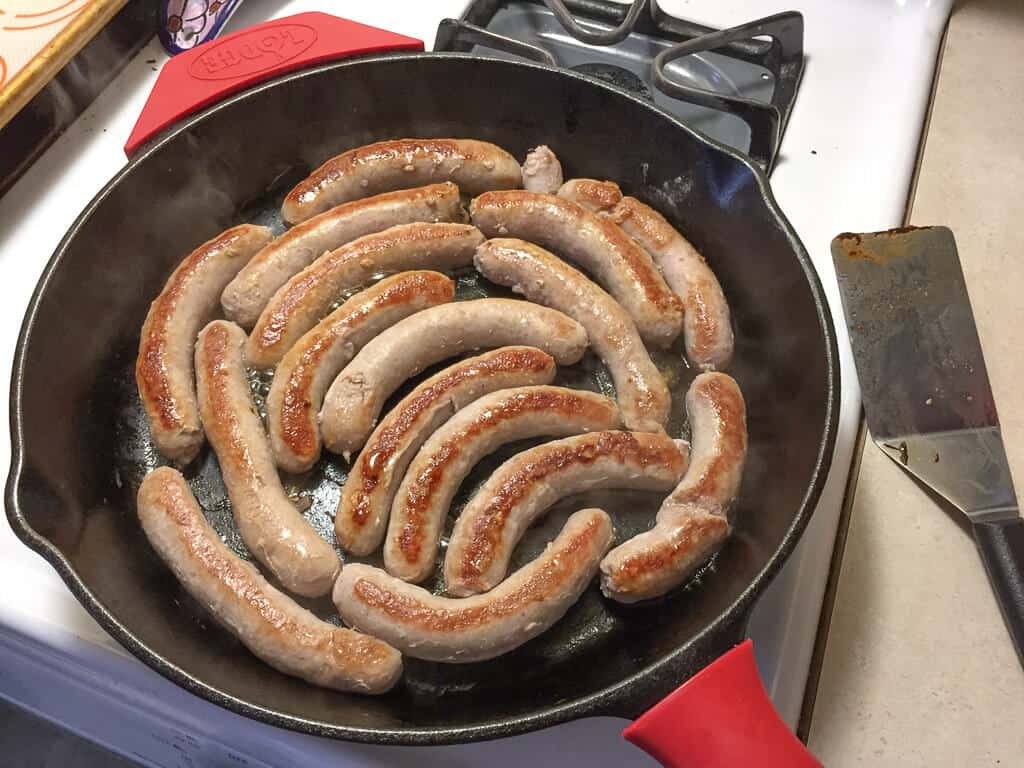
[
  {"x": 722, "y": 718},
  {"x": 207, "y": 73}
]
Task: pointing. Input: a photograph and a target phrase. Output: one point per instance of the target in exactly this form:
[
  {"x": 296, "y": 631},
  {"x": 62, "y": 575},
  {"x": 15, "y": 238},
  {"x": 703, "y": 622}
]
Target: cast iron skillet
[{"x": 80, "y": 446}]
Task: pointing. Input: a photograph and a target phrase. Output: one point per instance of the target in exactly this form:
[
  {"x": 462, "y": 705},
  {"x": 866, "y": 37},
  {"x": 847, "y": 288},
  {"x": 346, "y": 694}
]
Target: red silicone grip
[
  {"x": 215, "y": 69},
  {"x": 720, "y": 718}
]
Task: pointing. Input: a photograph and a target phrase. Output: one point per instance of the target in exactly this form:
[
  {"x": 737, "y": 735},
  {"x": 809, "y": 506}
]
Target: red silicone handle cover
[
  {"x": 209, "y": 72},
  {"x": 720, "y": 718}
]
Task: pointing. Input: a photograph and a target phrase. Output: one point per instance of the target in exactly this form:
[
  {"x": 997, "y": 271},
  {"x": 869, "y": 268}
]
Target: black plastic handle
[{"x": 1002, "y": 548}]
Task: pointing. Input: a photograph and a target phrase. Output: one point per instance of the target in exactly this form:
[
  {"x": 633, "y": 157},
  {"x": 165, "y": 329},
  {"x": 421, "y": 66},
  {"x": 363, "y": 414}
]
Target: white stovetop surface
[{"x": 846, "y": 165}]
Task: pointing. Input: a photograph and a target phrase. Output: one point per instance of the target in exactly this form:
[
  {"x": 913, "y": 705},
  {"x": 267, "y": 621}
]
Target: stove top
[
  {"x": 725, "y": 83},
  {"x": 838, "y": 168}
]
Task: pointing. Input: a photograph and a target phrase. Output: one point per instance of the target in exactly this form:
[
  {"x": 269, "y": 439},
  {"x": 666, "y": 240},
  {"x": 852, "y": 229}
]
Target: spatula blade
[{"x": 926, "y": 393}]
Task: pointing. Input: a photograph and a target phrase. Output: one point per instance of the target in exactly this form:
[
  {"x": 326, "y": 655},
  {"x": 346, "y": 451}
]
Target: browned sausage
[
  {"x": 593, "y": 242},
  {"x": 526, "y": 604},
  {"x": 475, "y": 166},
  {"x": 477, "y": 430},
  {"x": 271, "y": 527},
  {"x": 284, "y": 635},
  {"x": 525, "y": 486},
  {"x": 308, "y": 296},
  {"x": 246, "y": 296},
  {"x": 691, "y": 524},
  {"x": 163, "y": 369}
]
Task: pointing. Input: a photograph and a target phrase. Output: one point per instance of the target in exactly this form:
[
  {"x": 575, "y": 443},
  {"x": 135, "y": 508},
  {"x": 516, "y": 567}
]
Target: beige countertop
[{"x": 918, "y": 669}]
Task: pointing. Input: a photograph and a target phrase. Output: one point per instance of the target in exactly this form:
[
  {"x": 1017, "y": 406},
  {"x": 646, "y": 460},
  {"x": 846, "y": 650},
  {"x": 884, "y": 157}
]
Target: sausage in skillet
[
  {"x": 356, "y": 397},
  {"x": 691, "y": 524},
  {"x": 302, "y": 377},
  {"x": 476, "y": 166},
  {"x": 246, "y": 296},
  {"x": 272, "y": 529},
  {"x": 593, "y": 242},
  {"x": 542, "y": 277},
  {"x": 307, "y": 297},
  {"x": 370, "y": 486},
  {"x": 707, "y": 325},
  {"x": 541, "y": 171},
  {"x": 526, "y": 604},
  {"x": 270, "y": 624},
  {"x": 163, "y": 369},
  {"x": 479, "y": 429},
  {"x": 525, "y": 486}
]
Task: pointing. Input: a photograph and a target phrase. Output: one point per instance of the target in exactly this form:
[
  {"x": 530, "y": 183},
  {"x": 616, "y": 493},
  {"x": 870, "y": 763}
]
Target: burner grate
[{"x": 736, "y": 85}]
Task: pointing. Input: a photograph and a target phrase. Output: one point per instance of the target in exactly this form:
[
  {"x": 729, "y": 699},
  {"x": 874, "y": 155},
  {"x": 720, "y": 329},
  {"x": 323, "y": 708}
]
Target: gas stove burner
[
  {"x": 732, "y": 85},
  {"x": 617, "y": 76}
]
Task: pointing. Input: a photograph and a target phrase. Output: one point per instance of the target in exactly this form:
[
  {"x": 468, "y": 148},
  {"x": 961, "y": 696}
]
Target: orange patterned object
[{"x": 37, "y": 37}]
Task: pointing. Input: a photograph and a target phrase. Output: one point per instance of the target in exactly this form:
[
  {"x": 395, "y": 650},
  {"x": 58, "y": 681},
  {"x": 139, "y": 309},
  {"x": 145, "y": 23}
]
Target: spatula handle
[{"x": 1002, "y": 548}]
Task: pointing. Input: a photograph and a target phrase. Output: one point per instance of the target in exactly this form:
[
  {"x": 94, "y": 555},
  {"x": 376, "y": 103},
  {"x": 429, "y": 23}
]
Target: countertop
[{"x": 918, "y": 669}]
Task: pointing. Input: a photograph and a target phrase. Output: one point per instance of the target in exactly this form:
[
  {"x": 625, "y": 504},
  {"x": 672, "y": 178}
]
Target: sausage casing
[
  {"x": 163, "y": 369},
  {"x": 270, "y": 624},
  {"x": 526, "y": 604},
  {"x": 476, "y": 166},
  {"x": 271, "y": 527}
]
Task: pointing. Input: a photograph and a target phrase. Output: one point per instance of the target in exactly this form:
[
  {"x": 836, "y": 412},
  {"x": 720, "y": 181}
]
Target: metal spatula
[{"x": 926, "y": 393}]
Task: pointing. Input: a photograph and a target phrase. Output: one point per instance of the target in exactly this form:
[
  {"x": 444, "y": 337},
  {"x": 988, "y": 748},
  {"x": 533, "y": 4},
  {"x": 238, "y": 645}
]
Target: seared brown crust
[
  {"x": 273, "y": 627},
  {"x": 367, "y": 493},
  {"x": 441, "y": 465},
  {"x": 716, "y": 479},
  {"x": 272, "y": 529},
  {"x": 305, "y": 298},
  {"x": 308, "y": 368},
  {"x": 481, "y": 627},
  {"x": 491, "y": 523},
  {"x": 623, "y": 447},
  {"x": 692, "y": 522},
  {"x": 475, "y": 166},
  {"x": 627, "y": 270},
  {"x": 596, "y": 196},
  {"x": 163, "y": 369},
  {"x": 248, "y": 293}
]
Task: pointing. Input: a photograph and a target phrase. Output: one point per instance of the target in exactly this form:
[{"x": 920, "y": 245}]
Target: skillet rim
[{"x": 613, "y": 699}]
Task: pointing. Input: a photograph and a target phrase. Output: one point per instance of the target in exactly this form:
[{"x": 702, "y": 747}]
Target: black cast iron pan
[{"x": 80, "y": 446}]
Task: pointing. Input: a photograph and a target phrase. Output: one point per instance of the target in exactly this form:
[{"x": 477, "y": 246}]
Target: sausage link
[
  {"x": 707, "y": 324},
  {"x": 525, "y": 486},
  {"x": 476, "y": 166},
  {"x": 692, "y": 522},
  {"x": 541, "y": 277},
  {"x": 271, "y": 625},
  {"x": 163, "y": 369},
  {"x": 356, "y": 397},
  {"x": 526, "y": 604},
  {"x": 595, "y": 244},
  {"x": 272, "y": 529}
]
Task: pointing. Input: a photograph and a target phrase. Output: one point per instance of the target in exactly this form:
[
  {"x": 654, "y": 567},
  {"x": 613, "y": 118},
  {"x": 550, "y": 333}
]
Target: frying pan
[{"x": 80, "y": 445}]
